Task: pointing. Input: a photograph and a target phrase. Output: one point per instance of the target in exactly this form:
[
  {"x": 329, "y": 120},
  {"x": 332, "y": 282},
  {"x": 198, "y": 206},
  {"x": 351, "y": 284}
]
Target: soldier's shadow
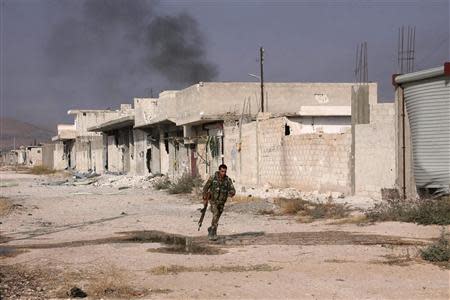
[{"x": 238, "y": 238}]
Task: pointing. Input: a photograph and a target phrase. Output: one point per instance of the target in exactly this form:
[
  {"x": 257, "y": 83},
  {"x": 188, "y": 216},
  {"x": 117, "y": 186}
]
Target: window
[{"x": 287, "y": 129}]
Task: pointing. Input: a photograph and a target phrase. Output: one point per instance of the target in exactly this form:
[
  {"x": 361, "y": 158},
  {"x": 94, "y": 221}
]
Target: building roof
[
  {"x": 164, "y": 121},
  {"x": 424, "y": 74},
  {"x": 121, "y": 122},
  {"x": 77, "y": 111},
  {"x": 64, "y": 135}
]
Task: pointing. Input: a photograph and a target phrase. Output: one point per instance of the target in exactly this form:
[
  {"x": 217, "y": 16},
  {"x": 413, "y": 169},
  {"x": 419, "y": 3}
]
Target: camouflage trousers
[{"x": 216, "y": 209}]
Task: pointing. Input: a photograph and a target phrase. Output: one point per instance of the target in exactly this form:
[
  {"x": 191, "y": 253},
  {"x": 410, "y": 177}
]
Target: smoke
[
  {"x": 179, "y": 49},
  {"x": 119, "y": 46}
]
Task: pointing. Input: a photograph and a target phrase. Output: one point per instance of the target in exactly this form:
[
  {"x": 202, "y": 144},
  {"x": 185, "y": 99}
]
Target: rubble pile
[
  {"x": 109, "y": 179},
  {"x": 268, "y": 192},
  {"x": 128, "y": 181}
]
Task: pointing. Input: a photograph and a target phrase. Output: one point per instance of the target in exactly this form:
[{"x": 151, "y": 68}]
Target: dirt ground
[{"x": 136, "y": 243}]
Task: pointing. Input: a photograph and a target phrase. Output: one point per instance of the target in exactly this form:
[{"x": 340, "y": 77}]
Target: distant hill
[{"x": 25, "y": 134}]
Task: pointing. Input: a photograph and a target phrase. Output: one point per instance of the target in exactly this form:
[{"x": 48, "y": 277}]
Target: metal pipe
[
  {"x": 261, "y": 64},
  {"x": 403, "y": 144}
]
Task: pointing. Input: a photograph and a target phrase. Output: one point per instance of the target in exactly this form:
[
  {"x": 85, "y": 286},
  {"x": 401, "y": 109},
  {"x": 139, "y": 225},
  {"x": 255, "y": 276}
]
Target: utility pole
[{"x": 261, "y": 64}]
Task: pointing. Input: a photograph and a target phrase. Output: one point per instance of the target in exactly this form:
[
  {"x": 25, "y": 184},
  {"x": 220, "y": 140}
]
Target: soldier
[{"x": 217, "y": 189}]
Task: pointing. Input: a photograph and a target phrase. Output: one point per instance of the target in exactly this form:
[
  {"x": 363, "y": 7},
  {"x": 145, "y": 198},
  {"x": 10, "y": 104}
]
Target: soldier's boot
[
  {"x": 210, "y": 233},
  {"x": 213, "y": 236}
]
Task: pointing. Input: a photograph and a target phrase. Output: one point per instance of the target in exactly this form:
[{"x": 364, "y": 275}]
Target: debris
[
  {"x": 55, "y": 183},
  {"x": 76, "y": 292},
  {"x": 124, "y": 187},
  {"x": 8, "y": 184}
]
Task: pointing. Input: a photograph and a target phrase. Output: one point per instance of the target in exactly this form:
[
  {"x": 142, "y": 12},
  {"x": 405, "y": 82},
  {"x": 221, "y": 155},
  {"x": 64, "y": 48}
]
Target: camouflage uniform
[{"x": 220, "y": 189}]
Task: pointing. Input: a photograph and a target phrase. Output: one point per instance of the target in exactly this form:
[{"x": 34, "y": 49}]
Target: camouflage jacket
[{"x": 219, "y": 189}]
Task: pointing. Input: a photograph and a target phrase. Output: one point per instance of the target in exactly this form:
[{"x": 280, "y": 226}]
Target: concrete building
[
  {"x": 422, "y": 102},
  {"x": 159, "y": 143},
  {"x": 33, "y": 156},
  {"x": 82, "y": 149},
  {"x": 312, "y": 136},
  {"x": 64, "y": 147},
  {"x": 191, "y": 130},
  {"x": 16, "y": 156},
  {"x": 118, "y": 141}
]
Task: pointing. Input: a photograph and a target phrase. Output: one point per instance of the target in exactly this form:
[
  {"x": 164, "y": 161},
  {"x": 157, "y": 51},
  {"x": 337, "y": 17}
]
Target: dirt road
[{"x": 135, "y": 243}]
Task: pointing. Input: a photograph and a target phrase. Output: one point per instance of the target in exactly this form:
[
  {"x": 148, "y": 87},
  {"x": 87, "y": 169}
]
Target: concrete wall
[
  {"x": 34, "y": 156},
  {"x": 121, "y": 151},
  {"x": 145, "y": 111},
  {"x": 88, "y": 152},
  {"x": 47, "y": 155},
  {"x": 407, "y": 160},
  {"x": 308, "y": 162},
  {"x": 59, "y": 158},
  {"x": 209, "y": 99},
  {"x": 375, "y": 158},
  {"x": 86, "y": 119},
  {"x": 319, "y": 124}
]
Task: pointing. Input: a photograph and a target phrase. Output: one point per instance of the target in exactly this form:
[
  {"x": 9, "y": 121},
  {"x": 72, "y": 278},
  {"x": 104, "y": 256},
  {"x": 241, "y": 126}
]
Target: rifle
[{"x": 203, "y": 210}]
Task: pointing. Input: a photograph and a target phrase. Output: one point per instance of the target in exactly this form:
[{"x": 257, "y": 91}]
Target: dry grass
[
  {"x": 310, "y": 211},
  {"x": 269, "y": 212},
  {"x": 185, "y": 184},
  {"x": 356, "y": 219},
  {"x": 422, "y": 211},
  {"x": 395, "y": 260},
  {"x": 175, "y": 269},
  {"x": 112, "y": 282},
  {"x": 243, "y": 199},
  {"x": 41, "y": 170},
  {"x": 5, "y": 206}
]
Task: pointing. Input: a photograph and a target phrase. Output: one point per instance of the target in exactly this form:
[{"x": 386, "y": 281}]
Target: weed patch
[
  {"x": 310, "y": 211},
  {"x": 5, "y": 206},
  {"x": 185, "y": 184},
  {"x": 422, "y": 211},
  {"x": 161, "y": 183},
  {"x": 175, "y": 269},
  {"x": 438, "y": 252},
  {"x": 41, "y": 170},
  {"x": 111, "y": 281}
]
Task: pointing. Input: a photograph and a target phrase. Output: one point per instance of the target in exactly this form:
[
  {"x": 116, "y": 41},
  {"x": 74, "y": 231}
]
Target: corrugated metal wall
[{"x": 428, "y": 107}]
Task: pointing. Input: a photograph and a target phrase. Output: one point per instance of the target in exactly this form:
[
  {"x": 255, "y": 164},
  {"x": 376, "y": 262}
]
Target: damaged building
[
  {"x": 311, "y": 136},
  {"x": 117, "y": 141},
  {"x": 78, "y": 148},
  {"x": 307, "y": 138}
]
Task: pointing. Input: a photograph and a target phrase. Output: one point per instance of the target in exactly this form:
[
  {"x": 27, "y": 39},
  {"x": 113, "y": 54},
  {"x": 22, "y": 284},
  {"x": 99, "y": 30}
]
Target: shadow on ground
[{"x": 180, "y": 244}]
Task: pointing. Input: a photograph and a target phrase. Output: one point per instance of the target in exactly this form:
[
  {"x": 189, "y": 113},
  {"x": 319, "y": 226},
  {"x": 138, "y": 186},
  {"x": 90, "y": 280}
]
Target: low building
[
  {"x": 184, "y": 131},
  {"x": 64, "y": 147},
  {"x": 118, "y": 141},
  {"x": 33, "y": 156}
]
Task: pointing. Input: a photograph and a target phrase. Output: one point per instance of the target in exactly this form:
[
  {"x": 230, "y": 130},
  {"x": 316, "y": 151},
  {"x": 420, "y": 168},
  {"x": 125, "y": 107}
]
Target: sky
[{"x": 57, "y": 55}]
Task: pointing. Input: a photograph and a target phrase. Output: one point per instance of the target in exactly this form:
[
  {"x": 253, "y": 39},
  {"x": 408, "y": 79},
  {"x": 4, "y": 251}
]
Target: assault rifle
[{"x": 203, "y": 210}]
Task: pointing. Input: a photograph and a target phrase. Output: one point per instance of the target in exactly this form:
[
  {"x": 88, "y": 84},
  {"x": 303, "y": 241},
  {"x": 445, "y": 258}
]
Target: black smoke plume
[
  {"x": 178, "y": 49},
  {"x": 121, "y": 45}
]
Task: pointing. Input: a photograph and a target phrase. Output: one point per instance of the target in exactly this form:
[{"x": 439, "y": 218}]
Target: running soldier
[{"x": 217, "y": 189}]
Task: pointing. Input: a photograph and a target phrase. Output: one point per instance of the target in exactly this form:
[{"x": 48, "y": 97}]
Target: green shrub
[
  {"x": 423, "y": 211},
  {"x": 439, "y": 251},
  {"x": 185, "y": 184},
  {"x": 161, "y": 183}
]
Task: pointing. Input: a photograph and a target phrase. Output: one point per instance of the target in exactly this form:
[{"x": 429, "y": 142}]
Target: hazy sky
[{"x": 51, "y": 62}]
